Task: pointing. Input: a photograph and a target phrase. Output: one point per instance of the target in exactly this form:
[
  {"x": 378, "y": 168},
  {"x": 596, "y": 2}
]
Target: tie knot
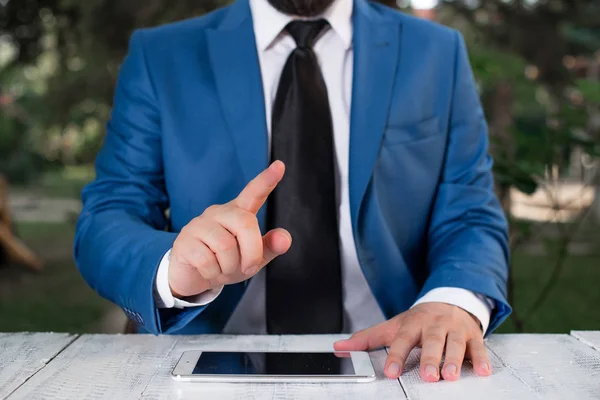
[{"x": 305, "y": 32}]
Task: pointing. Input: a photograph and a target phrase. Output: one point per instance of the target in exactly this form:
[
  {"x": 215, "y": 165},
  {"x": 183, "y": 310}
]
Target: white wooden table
[{"x": 62, "y": 366}]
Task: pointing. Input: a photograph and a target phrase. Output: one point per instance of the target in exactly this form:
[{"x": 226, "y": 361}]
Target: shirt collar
[{"x": 269, "y": 22}]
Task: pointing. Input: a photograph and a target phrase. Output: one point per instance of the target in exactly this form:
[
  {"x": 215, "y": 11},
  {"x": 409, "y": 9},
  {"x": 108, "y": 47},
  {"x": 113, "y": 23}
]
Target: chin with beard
[{"x": 302, "y": 8}]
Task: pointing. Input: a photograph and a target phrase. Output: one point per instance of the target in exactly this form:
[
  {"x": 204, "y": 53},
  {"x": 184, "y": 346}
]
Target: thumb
[
  {"x": 367, "y": 339},
  {"x": 275, "y": 243}
]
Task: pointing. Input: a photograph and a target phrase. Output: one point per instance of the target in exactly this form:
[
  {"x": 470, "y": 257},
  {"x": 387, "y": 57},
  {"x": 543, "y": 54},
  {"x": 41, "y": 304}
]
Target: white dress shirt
[{"x": 335, "y": 54}]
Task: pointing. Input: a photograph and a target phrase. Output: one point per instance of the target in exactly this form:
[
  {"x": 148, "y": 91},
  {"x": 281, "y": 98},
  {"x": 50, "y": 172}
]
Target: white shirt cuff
[
  {"x": 478, "y": 305},
  {"x": 163, "y": 297}
]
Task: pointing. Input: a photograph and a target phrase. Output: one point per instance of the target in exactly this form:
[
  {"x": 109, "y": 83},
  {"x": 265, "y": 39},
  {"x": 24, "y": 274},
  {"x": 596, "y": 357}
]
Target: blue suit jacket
[{"x": 188, "y": 130}]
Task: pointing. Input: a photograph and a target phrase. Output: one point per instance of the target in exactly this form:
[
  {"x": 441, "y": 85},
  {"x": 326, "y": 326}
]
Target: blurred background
[{"x": 537, "y": 64}]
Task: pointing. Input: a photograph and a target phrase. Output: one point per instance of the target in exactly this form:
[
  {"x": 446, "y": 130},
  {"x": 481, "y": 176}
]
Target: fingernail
[
  {"x": 252, "y": 271},
  {"x": 432, "y": 371},
  {"x": 393, "y": 369},
  {"x": 450, "y": 369},
  {"x": 276, "y": 162},
  {"x": 485, "y": 367},
  {"x": 286, "y": 233}
]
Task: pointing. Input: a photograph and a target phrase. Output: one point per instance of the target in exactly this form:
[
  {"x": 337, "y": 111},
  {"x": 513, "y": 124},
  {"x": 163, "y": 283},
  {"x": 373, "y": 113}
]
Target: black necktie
[{"x": 304, "y": 289}]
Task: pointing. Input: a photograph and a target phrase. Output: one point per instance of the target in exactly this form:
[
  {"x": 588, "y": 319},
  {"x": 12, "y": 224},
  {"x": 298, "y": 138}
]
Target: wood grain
[
  {"x": 99, "y": 367},
  {"x": 139, "y": 366},
  {"x": 590, "y": 338},
  {"x": 552, "y": 366},
  {"x": 22, "y": 355}
]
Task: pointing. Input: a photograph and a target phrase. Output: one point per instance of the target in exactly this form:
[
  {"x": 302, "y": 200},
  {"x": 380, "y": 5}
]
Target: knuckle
[
  {"x": 443, "y": 320},
  {"x": 195, "y": 221},
  {"x": 200, "y": 259},
  {"x": 222, "y": 280},
  {"x": 194, "y": 228},
  {"x": 181, "y": 247},
  {"x": 186, "y": 232},
  {"x": 261, "y": 181},
  {"x": 254, "y": 261},
  {"x": 396, "y": 352},
  {"x": 359, "y": 335},
  {"x": 410, "y": 320},
  {"x": 203, "y": 263},
  {"x": 457, "y": 340},
  {"x": 228, "y": 270},
  {"x": 403, "y": 335},
  {"x": 399, "y": 319},
  {"x": 248, "y": 221},
  {"x": 439, "y": 318},
  {"x": 482, "y": 352},
  {"x": 413, "y": 322},
  {"x": 212, "y": 210},
  {"x": 477, "y": 349},
  {"x": 176, "y": 259},
  {"x": 176, "y": 247},
  {"x": 416, "y": 315},
  {"x": 226, "y": 243},
  {"x": 209, "y": 273},
  {"x": 433, "y": 337}
]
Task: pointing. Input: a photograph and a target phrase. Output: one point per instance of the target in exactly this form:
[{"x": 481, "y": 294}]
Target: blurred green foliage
[
  {"x": 538, "y": 107},
  {"x": 59, "y": 60},
  {"x": 18, "y": 159},
  {"x": 536, "y": 63},
  {"x": 538, "y": 66}
]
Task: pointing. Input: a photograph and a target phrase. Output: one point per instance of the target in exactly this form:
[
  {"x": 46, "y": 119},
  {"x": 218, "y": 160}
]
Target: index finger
[
  {"x": 258, "y": 189},
  {"x": 367, "y": 339}
]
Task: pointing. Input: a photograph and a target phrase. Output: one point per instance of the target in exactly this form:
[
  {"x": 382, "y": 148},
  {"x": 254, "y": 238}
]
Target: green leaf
[{"x": 590, "y": 90}]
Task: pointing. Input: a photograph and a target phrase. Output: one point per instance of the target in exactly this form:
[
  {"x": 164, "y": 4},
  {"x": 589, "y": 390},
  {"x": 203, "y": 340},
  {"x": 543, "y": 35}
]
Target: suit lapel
[
  {"x": 376, "y": 54},
  {"x": 234, "y": 60}
]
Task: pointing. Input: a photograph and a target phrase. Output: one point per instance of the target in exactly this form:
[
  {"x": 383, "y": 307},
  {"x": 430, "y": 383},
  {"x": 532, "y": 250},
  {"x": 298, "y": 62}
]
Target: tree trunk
[
  {"x": 13, "y": 249},
  {"x": 596, "y": 203},
  {"x": 503, "y": 143}
]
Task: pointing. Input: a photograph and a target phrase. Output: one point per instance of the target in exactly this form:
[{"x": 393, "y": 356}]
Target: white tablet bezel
[{"x": 363, "y": 371}]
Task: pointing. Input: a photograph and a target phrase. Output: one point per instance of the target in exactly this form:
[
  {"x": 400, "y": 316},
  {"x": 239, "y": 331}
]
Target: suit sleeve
[
  {"x": 121, "y": 234},
  {"x": 468, "y": 234}
]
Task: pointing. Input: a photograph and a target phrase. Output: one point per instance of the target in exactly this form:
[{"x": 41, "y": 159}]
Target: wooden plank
[
  {"x": 503, "y": 384},
  {"x": 552, "y": 366},
  {"x": 139, "y": 366},
  {"x": 99, "y": 367},
  {"x": 24, "y": 354},
  {"x": 591, "y": 338}
]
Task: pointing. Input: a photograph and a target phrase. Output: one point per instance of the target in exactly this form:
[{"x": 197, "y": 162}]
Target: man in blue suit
[{"x": 325, "y": 168}]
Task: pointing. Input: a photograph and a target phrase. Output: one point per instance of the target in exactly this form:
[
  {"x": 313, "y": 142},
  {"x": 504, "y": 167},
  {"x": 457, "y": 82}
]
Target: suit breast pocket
[{"x": 398, "y": 134}]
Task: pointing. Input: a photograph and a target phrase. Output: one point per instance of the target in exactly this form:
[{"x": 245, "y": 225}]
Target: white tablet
[{"x": 226, "y": 366}]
